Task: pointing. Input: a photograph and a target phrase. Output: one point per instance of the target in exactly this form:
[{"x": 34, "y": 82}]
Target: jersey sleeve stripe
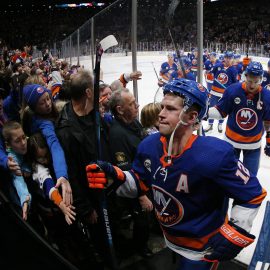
[
  {"x": 189, "y": 242},
  {"x": 218, "y": 89},
  {"x": 258, "y": 200}
]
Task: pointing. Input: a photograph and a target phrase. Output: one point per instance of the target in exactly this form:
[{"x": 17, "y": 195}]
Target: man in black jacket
[
  {"x": 125, "y": 135},
  {"x": 76, "y": 132}
]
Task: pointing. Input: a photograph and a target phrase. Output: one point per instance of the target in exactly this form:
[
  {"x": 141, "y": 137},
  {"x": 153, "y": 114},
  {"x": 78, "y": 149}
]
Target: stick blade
[{"x": 108, "y": 42}]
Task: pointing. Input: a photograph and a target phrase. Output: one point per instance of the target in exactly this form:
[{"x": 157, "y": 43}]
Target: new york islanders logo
[
  {"x": 40, "y": 90},
  {"x": 223, "y": 78},
  {"x": 246, "y": 118},
  {"x": 169, "y": 211}
]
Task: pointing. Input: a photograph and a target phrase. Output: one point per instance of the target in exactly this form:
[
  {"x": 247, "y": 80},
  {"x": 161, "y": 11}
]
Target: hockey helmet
[
  {"x": 221, "y": 57},
  {"x": 191, "y": 91},
  {"x": 228, "y": 54},
  {"x": 213, "y": 54},
  {"x": 237, "y": 56},
  {"x": 255, "y": 69},
  {"x": 186, "y": 62}
]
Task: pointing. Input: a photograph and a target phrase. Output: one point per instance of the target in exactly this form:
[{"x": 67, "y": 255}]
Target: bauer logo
[
  {"x": 246, "y": 118},
  {"x": 169, "y": 211}
]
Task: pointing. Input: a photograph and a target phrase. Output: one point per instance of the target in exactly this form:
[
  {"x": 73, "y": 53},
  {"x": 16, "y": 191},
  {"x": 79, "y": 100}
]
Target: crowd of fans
[
  {"x": 40, "y": 151},
  {"x": 224, "y": 22}
]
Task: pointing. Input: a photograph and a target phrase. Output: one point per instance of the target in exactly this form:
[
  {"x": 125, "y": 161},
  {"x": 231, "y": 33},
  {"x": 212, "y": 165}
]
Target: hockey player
[
  {"x": 187, "y": 66},
  {"x": 208, "y": 67},
  {"x": 238, "y": 65},
  {"x": 206, "y": 55},
  {"x": 194, "y": 61},
  {"x": 247, "y": 105},
  {"x": 191, "y": 178},
  {"x": 167, "y": 68},
  {"x": 266, "y": 77},
  {"x": 224, "y": 75}
]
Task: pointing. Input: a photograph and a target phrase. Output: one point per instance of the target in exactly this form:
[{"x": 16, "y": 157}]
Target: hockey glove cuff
[
  {"x": 97, "y": 174},
  {"x": 228, "y": 242}
]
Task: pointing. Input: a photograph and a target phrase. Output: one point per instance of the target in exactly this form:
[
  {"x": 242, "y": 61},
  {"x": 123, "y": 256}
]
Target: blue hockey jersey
[
  {"x": 223, "y": 77},
  {"x": 191, "y": 194},
  {"x": 244, "y": 127},
  {"x": 266, "y": 80},
  {"x": 179, "y": 74},
  {"x": 166, "y": 70}
]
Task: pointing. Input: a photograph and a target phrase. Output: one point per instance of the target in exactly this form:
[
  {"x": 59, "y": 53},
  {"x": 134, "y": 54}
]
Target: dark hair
[
  {"x": 34, "y": 142},
  {"x": 16, "y": 66},
  {"x": 79, "y": 82}
]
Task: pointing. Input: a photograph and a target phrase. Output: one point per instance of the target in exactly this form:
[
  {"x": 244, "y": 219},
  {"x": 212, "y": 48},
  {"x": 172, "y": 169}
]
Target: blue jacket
[
  {"x": 46, "y": 127},
  {"x": 18, "y": 181}
]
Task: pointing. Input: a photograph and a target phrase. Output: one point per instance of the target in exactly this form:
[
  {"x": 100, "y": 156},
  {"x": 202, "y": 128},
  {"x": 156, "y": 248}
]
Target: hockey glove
[
  {"x": 267, "y": 146},
  {"x": 228, "y": 242},
  {"x": 97, "y": 174}
]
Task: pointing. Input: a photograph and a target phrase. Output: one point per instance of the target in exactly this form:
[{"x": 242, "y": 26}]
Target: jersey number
[{"x": 242, "y": 172}]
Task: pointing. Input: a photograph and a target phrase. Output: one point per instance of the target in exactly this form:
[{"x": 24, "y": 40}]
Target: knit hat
[{"x": 32, "y": 93}]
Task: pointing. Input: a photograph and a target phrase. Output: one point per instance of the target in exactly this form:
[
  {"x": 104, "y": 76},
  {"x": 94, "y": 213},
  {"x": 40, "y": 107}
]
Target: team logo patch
[
  {"x": 267, "y": 86},
  {"x": 147, "y": 164},
  {"x": 169, "y": 211},
  {"x": 237, "y": 100},
  {"x": 120, "y": 157},
  {"x": 40, "y": 90},
  {"x": 223, "y": 78},
  {"x": 246, "y": 118}
]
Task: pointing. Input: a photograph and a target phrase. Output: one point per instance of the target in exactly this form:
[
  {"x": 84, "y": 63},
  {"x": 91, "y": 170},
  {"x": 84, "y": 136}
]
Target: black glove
[{"x": 228, "y": 242}]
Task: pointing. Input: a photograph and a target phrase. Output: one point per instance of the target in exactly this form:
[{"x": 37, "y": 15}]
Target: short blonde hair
[
  {"x": 149, "y": 114},
  {"x": 9, "y": 127}
]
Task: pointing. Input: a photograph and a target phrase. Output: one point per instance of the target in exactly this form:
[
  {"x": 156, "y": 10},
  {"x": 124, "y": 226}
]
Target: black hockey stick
[
  {"x": 104, "y": 44},
  {"x": 155, "y": 70},
  {"x": 157, "y": 91},
  {"x": 178, "y": 55}
]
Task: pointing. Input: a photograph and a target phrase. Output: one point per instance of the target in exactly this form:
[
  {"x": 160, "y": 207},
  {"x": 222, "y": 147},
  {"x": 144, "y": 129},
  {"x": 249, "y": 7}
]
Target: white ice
[{"x": 114, "y": 65}]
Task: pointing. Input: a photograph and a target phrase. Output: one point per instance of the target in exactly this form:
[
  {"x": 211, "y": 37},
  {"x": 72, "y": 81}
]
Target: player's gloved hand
[
  {"x": 97, "y": 174},
  {"x": 228, "y": 242},
  {"x": 267, "y": 146}
]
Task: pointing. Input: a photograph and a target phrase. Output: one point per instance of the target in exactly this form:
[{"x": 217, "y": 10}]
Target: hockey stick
[
  {"x": 155, "y": 96},
  {"x": 156, "y": 93},
  {"x": 155, "y": 70},
  {"x": 178, "y": 55},
  {"x": 104, "y": 44}
]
